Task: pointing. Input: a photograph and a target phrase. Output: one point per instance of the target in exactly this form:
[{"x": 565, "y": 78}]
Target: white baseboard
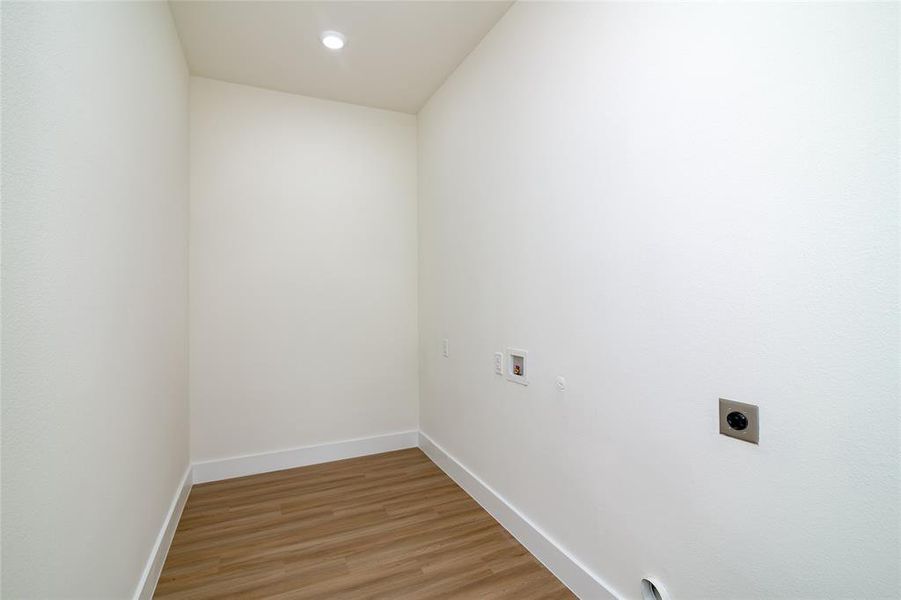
[
  {"x": 568, "y": 569},
  {"x": 151, "y": 574},
  {"x": 239, "y": 466}
]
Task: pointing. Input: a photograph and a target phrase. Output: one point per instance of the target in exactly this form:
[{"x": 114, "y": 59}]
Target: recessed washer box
[{"x": 517, "y": 368}]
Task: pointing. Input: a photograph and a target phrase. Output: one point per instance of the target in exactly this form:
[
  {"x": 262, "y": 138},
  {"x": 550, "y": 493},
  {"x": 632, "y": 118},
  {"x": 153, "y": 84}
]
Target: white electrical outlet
[
  {"x": 499, "y": 363},
  {"x": 445, "y": 348}
]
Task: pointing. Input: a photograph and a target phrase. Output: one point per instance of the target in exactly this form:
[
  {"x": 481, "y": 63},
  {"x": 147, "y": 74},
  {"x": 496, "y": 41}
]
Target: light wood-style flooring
[{"x": 391, "y": 525}]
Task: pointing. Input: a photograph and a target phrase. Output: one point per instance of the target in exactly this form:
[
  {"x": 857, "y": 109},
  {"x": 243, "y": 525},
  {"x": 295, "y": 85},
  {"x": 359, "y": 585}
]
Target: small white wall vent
[
  {"x": 517, "y": 369},
  {"x": 651, "y": 590}
]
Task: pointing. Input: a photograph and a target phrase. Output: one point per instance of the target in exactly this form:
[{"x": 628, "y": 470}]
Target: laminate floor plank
[{"x": 390, "y": 526}]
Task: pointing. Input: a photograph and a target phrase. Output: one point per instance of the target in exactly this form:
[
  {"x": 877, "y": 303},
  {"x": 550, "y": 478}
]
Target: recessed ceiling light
[{"x": 332, "y": 40}]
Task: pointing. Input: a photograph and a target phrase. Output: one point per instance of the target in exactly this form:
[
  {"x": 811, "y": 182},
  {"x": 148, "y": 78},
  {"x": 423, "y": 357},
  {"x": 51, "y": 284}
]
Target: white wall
[
  {"x": 669, "y": 203},
  {"x": 303, "y": 271},
  {"x": 94, "y": 356}
]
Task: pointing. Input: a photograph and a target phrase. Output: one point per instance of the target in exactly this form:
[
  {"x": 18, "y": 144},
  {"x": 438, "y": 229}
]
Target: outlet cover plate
[{"x": 751, "y": 433}]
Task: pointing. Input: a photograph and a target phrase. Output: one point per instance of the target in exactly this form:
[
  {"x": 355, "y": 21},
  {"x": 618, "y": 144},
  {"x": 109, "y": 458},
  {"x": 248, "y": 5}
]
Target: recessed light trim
[{"x": 333, "y": 40}]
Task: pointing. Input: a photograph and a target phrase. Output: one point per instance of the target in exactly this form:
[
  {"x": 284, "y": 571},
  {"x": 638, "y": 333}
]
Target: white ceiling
[{"x": 397, "y": 53}]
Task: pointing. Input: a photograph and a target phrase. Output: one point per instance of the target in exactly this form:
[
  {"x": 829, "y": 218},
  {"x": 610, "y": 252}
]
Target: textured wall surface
[
  {"x": 303, "y": 271},
  {"x": 94, "y": 352},
  {"x": 666, "y": 204}
]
